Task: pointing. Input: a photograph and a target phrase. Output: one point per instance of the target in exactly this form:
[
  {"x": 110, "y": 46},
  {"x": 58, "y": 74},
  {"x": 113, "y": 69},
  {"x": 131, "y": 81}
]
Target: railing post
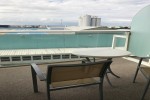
[
  {"x": 127, "y": 40},
  {"x": 114, "y": 42}
]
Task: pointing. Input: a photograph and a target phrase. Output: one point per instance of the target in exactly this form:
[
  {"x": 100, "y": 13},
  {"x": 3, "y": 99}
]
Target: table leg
[
  {"x": 110, "y": 71},
  {"x": 108, "y": 80},
  {"x": 88, "y": 59}
]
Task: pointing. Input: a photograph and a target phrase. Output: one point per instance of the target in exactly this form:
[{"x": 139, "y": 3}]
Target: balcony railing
[{"x": 53, "y": 45}]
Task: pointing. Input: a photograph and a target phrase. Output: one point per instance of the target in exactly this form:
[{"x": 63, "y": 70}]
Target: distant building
[{"x": 88, "y": 20}]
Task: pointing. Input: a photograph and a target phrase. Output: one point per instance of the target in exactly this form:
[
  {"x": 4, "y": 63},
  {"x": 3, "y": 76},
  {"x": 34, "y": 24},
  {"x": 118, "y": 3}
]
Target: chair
[
  {"x": 71, "y": 75},
  {"x": 87, "y": 60},
  {"x": 146, "y": 72}
]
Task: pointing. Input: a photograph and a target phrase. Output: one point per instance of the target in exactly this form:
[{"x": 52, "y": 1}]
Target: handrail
[{"x": 63, "y": 31}]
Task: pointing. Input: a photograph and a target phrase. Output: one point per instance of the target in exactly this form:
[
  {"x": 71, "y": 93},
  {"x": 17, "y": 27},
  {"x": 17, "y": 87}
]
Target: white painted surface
[
  {"x": 101, "y": 52},
  {"x": 64, "y": 31}
]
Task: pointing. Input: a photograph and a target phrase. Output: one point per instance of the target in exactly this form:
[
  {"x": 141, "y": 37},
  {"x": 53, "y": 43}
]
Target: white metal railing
[
  {"x": 63, "y": 31},
  {"x": 38, "y": 58}
]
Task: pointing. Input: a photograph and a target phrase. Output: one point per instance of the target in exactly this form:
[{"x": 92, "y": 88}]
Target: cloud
[{"x": 52, "y": 11}]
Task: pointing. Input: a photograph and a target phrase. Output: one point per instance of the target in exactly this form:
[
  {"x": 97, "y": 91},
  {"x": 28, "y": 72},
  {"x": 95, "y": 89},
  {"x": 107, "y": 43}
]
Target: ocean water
[{"x": 19, "y": 40}]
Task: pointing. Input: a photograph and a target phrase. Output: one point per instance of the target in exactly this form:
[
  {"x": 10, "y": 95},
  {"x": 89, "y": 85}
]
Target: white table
[
  {"x": 101, "y": 52},
  {"x": 108, "y": 53}
]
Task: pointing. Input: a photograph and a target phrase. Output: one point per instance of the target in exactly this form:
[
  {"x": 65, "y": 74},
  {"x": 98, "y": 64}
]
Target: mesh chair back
[{"x": 57, "y": 73}]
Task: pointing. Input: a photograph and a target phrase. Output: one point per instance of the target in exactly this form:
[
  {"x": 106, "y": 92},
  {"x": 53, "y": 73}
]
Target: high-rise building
[{"x": 88, "y": 20}]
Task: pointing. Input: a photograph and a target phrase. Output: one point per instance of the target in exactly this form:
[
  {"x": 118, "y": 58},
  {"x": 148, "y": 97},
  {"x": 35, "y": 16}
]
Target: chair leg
[
  {"x": 34, "y": 80},
  {"x": 48, "y": 92},
  {"x": 101, "y": 89},
  {"x": 139, "y": 64},
  {"x": 146, "y": 88}
]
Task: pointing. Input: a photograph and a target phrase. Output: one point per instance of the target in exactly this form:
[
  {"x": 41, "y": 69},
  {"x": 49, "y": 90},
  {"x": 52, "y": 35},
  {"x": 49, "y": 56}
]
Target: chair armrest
[{"x": 38, "y": 72}]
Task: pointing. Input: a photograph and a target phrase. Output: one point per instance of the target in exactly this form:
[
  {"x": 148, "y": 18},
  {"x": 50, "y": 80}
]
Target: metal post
[{"x": 34, "y": 80}]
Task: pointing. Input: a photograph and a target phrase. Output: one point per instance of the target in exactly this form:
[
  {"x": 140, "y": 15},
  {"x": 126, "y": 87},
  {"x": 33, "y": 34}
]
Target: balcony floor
[{"x": 16, "y": 84}]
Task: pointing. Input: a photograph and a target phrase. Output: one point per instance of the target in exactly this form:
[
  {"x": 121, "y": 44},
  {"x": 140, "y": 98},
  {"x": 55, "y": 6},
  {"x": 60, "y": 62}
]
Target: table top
[{"x": 101, "y": 52}]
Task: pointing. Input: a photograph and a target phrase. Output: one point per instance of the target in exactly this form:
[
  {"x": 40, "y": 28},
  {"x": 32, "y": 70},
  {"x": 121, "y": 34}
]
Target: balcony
[
  {"x": 56, "y": 46},
  {"x": 26, "y": 46},
  {"x": 45, "y": 46},
  {"x": 16, "y": 84}
]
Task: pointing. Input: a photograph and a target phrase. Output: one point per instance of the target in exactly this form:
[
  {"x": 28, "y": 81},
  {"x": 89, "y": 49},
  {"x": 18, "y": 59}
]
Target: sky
[{"x": 67, "y": 12}]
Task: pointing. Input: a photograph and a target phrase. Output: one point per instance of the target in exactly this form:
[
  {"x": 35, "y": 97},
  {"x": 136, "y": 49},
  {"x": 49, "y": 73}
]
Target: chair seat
[
  {"x": 146, "y": 71},
  {"x": 75, "y": 82}
]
